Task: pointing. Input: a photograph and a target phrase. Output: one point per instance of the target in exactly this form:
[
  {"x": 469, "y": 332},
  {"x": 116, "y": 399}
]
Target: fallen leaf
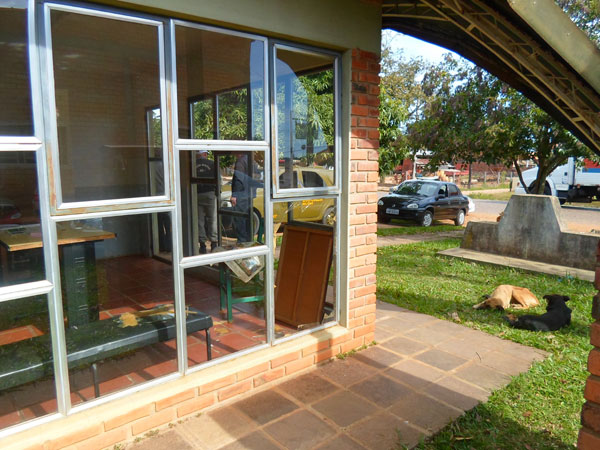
[{"x": 527, "y": 414}]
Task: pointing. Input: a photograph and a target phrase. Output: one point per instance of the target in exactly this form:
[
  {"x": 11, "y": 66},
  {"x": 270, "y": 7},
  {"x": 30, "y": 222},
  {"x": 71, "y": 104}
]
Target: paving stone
[
  {"x": 308, "y": 388},
  {"x": 453, "y": 329},
  {"x": 344, "y": 408},
  {"x": 425, "y": 412},
  {"x": 164, "y": 441},
  {"x": 405, "y": 346},
  {"x": 415, "y": 317},
  {"x": 265, "y": 406},
  {"x": 395, "y": 325},
  {"x": 383, "y": 334},
  {"x": 521, "y": 351},
  {"x": 385, "y": 431},
  {"x": 340, "y": 442},
  {"x": 253, "y": 441},
  {"x": 465, "y": 348},
  {"x": 215, "y": 428},
  {"x": 482, "y": 376},
  {"x": 300, "y": 430},
  {"x": 441, "y": 360},
  {"x": 382, "y": 391},
  {"x": 377, "y": 357},
  {"x": 505, "y": 363},
  {"x": 414, "y": 373},
  {"x": 456, "y": 393},
  {"x": 346, "y": 372},
  {"x": 429, "y": 335}
]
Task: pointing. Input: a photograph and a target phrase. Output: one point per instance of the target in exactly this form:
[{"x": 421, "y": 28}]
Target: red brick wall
[
  {"x": 363, "y": 194},
  {"x": 589, "y": 435}
]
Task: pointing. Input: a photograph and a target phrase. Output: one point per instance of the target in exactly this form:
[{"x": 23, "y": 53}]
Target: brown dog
[{"x": 507, "y": 296}]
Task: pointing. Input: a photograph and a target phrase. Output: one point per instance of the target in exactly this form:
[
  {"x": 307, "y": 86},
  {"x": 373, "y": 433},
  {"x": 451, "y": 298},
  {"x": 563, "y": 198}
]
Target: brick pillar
[
  {"x": 364, "y": 175},
  {"x": 589, "y": 435}
]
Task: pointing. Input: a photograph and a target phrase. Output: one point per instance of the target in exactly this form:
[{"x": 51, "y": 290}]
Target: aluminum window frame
[
  {"x": 279, "y": 193},
  {"x": 222, "y": 144},
  {"x": 58, "y": 206}
]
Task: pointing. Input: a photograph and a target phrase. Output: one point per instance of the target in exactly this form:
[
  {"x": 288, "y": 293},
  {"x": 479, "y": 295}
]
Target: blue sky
[{"x": 413, "y": 47}]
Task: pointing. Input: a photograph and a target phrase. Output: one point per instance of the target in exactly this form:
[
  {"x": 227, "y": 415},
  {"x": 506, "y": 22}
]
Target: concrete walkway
[{"x": 424, "y": 373}]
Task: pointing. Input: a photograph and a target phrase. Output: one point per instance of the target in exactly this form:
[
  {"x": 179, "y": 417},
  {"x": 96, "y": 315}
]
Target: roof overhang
[{"x": 530, "y": 44}]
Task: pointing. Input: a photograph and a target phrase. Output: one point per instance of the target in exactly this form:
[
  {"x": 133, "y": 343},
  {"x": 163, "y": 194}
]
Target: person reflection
[
  {"x": 243, "y": 191},
  {"x": 207, "y": 202}
]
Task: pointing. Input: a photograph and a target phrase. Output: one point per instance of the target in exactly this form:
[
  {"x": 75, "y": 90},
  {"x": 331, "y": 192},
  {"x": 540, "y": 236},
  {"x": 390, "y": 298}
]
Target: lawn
[
  {"x": 407, "y": 228},
  {"x": 539, "y": 409},
  {"x": 504, "y": 196}
]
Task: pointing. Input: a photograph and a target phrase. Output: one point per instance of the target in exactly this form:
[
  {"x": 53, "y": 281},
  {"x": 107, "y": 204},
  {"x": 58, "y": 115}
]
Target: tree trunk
[
  {"x": 520, "y": 175},
  {"x": 470, "y": 177}
]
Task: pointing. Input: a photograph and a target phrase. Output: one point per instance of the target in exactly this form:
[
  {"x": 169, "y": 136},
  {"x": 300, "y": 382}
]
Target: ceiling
[{"x": 493, "y": 36}]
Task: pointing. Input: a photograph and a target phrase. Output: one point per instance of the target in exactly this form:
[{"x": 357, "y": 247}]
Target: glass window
[
  {"x": 118, "y": 305},
  {"x": 305, "y": 114},
  {"x": 27, "y": 388},
  {"x": 233, "y": 295},
  {"x": 305, "y": 279},
  {"x": 107, "y": 76},
  {"x": 21, "y": 254},
  {"x": 15, "y": 97},
  {"x": 453, "y": 190},
  {"x": 221, "y": 76},
  {"x": 223, "y": 200}
]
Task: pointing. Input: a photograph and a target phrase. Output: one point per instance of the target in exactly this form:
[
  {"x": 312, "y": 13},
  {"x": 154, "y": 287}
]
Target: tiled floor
[{"x": 423, "y": 374}]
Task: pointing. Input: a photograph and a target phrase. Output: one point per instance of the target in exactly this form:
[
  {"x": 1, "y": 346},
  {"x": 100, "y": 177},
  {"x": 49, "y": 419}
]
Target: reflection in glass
[
  {"x": 305, "y": 279},
  {"x": 107, "y": 76},
  {"x": 233, "y": 294},
  {"x": 223, "y": 200},
  {"x": 305, "y": 114},
  {"x": 26, "y": 383},
  {"x": 118, "y": 305},
  {"x": 15, "y": 97},
  {"x": 21, "y": 256},
  {"x": 221, "y": 78}
]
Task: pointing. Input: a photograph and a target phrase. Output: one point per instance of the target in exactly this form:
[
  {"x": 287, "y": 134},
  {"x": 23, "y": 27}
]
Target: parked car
[
  {"x": 320, "y": 210},
  {"x": 471, "y": 205},
  {"x": 423, "y": 201}
]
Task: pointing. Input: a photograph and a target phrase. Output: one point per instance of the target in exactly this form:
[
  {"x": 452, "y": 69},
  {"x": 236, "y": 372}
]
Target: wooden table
[{"x": 78, "y": 263}]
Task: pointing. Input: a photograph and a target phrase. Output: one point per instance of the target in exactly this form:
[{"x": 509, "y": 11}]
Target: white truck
[{"x": 571, "y": 182}]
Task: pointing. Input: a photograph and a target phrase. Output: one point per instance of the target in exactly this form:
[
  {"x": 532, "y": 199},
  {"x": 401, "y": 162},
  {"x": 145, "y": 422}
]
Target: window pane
[
  {"x": 107, "y": 78},
  {"x": 15, "y": 97},
  {"x": 27, "y": 387},
  {"x": 305, "y": 115},
  {"x": 233, "y": 295},
  {"x": 305, "y": 275},
  {"x": 21, "y": 254},
  {"x": 223, "y": 200},
  {"x": 219, "y": 76},
  {"x": 118, "y": 303}
]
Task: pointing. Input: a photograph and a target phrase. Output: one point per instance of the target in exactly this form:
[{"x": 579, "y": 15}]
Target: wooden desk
[{"x": 78, "y": 263}]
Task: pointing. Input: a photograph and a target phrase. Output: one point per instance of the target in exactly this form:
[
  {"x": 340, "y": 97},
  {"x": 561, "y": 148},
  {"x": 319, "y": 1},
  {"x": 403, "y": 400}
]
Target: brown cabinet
[{"x": 303, "y": 273}]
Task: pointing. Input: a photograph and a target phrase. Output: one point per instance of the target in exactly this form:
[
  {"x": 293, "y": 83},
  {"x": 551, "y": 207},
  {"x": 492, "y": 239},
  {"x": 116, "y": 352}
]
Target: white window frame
[{"x": 58, "y": 206}]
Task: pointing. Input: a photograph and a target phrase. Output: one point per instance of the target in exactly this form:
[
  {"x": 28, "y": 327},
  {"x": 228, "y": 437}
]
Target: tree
[
  {"x": 405, "y": 89},
  {"x": 482, "y": 119}
]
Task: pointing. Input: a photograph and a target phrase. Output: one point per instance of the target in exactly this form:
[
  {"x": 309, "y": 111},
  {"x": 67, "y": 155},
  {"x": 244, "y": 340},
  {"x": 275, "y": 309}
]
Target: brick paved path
[{"x": 423, "y": 374}]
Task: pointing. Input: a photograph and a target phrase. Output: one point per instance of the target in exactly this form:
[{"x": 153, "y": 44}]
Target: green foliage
[{"x": 538, "y": 409}]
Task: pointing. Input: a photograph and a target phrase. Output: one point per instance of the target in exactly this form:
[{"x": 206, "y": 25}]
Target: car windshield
[{"x": 422, "y": 188}]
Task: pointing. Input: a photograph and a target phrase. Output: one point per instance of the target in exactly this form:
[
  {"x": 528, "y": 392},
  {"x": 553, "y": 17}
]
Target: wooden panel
[{"x": 303, "y": 273}]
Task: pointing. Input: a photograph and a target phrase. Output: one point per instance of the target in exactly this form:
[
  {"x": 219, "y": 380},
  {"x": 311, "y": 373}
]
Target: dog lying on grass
[
  {"x": 507, "y": 296},
  {"x": 557, "y": 316}
]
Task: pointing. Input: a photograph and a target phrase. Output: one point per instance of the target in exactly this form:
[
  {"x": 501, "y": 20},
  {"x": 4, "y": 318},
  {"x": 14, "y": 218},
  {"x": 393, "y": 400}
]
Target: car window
[
  {"x": 312, "y": 179},
  {"x": 453, "y": 190},
  {"x": 443, "y": 191},
  {"x": 426, "y": 189},
  {"x": 284, "y": 181}
]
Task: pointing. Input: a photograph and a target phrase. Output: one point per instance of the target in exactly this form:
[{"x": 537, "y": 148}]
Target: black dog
[{"x": 557, "y": 316}]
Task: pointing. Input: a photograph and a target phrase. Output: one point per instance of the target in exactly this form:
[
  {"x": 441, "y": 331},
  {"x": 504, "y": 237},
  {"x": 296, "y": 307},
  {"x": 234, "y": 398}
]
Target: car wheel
[
  {"x": 383, "y": 219},
  {"x": 460, "y": 218},
  {"x": 329, "y": 217},
  {"x": 427, "y": 219}
]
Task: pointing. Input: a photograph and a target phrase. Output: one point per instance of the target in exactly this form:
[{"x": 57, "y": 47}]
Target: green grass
[
  {"x": 539, "y": 409},
  {"x": 405, "y": 227},
  {"x": 504, "y": 196}
]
